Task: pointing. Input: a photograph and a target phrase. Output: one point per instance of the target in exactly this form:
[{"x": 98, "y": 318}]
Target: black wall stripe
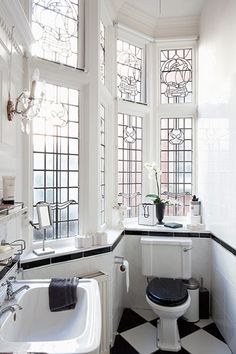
[{"x": 102, "y": 250}]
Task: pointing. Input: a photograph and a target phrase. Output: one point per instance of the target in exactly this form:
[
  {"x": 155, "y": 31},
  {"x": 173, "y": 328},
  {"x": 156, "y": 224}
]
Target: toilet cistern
[{"x": 168, "y": 260}]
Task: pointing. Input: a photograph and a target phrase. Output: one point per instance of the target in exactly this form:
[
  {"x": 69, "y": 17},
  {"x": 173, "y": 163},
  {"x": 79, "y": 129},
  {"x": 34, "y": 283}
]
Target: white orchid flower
[{"x": 153, "y": 172}]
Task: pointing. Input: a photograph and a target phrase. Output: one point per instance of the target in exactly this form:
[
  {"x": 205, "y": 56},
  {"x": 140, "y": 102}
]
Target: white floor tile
[
  {"x": 142, "y": 338},
  {"x": 202, "y": 342},
  {"x": 203, "y": 323},
  {"x": 148, "y": 315}
]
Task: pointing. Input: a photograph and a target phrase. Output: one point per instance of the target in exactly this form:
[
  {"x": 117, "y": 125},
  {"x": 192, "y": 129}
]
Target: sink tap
[
  {"x": 10, "y": 293},
  {"x": 11, "y": 308}
]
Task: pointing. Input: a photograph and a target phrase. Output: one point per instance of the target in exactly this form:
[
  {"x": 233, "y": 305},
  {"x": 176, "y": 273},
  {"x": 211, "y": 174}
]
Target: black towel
[{"x": 62, "y": 293}]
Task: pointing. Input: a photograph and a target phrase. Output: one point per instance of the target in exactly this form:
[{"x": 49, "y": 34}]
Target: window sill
[
  {"x": 66, "y": 247},
  {"x": 132, "y": 225}
]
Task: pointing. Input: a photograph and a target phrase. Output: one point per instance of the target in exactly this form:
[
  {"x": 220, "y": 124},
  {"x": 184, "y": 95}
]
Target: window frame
[
  {"x": 81, "y": 38},
  {"x": 178, "y": 110},
  {"x": 57, "y": 155},
  {"x": 129, "y": 37},
  {"x": 153, "y": 110}
]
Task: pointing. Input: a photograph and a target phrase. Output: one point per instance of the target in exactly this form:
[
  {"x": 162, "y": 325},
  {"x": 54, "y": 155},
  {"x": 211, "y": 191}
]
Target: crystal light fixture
[{"x": 26, "y": 105}]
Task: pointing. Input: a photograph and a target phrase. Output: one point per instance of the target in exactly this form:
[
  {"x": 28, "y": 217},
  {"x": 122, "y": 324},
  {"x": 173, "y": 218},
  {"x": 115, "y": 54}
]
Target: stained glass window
[
  {"x": 176, "y": 76},
  {"x": 130, "y": 72},
  {"x": 55, "y": 27},
  {"x": 102, "y": 164},
  {"x": 177, "y": 163},
  {"x": 102, "y": 51},
  {"x": 56, "y": 160},
  {"x": 130, "y": 146}
]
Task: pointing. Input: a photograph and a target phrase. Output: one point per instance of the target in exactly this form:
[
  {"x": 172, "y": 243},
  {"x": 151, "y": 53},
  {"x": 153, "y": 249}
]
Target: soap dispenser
[{"x": 195, "y": 206}]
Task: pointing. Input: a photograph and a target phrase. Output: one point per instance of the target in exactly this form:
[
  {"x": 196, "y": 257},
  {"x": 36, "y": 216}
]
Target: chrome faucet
[
  {"x": 11, "y": 308},
  {"x": 10, "y": 293}
]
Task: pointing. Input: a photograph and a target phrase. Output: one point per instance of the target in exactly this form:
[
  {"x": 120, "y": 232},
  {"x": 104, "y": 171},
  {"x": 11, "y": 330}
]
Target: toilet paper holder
[{"x": 120, "y": 260}]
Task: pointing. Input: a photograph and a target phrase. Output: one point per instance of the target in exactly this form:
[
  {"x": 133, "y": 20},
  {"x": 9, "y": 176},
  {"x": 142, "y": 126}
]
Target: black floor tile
[
  {"x": 212, "y": 329},
  {"x": 186, "y": 328},
  {"x": 130, "y": 319},
  {"x": 182, "y": 351},
  {"x": 154, "y": 322},
  {"x": 121, "y": 346}
]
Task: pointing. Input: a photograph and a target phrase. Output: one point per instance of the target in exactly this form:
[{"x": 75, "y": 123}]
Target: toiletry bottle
[
  {"x": 8, "y": 189},
  {"x": 195, "y": 206}
]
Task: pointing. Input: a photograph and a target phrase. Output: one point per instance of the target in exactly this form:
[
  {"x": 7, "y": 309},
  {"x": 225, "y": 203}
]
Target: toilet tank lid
[{"x": 152, "y": 240}]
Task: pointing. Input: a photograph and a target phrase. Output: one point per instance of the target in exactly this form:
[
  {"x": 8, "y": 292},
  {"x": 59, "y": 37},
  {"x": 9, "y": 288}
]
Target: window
[
  {"x": 176, "y": 75},
  {"x": 57, "y": 31},
  {"x": 56, "y": 159},
  {"x": 130, "y": 72},
  {"x": 102, "y": 164},
  {"x": 177, "y": 163},
  {"x": 102, "y": 51},
  {"x": 130, "y": 144}
]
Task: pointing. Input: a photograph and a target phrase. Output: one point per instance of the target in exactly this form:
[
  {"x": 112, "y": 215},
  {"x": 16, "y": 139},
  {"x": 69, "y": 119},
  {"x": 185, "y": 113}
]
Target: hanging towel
[{"x": 62, "y": 294}]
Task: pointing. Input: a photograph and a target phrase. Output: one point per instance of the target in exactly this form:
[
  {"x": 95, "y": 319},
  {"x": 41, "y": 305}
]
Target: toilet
[{"x": 168, "y": 260}]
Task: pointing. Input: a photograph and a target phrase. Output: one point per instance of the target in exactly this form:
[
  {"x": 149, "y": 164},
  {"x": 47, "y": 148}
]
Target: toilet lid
[{"x": 167, "y": 292}]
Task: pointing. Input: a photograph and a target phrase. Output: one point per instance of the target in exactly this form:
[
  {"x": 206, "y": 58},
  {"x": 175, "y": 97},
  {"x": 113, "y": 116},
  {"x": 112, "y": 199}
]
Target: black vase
[{"x": 160, "y": 211}]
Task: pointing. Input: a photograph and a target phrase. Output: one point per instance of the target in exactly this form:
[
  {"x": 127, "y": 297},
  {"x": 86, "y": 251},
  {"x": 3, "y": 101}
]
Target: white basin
[{"x": 36, "y": 329}]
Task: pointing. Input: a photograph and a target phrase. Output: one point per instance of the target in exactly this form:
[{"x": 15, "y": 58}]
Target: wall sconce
[{"x": 26, "y": 105}]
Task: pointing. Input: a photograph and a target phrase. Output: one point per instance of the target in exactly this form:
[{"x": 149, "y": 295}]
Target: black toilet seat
[{"x": 167, "y": 292}]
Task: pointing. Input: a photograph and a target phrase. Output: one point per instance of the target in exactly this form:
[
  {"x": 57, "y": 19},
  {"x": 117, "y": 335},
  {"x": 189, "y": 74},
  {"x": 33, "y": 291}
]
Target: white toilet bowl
[
  {"x": 167, "y": 328},
  {"x": 167, "y": 260}
]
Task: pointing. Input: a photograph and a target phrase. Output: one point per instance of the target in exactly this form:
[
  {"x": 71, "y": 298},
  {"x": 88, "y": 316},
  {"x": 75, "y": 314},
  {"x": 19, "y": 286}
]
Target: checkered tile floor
[{"x": 137, "y": 335}]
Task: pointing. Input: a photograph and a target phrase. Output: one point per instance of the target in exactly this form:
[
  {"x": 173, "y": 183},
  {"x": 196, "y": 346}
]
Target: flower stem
[{"x": 158, "y": 189}]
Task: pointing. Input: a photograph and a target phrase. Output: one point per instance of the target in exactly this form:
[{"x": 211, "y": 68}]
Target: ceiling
[
  {"x": 163, "y": 8},
  {"x": 149, "y": 15}
]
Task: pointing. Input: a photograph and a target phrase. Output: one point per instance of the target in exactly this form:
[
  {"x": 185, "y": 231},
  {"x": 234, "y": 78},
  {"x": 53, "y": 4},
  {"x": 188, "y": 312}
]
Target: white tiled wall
[
  {"x": 216, "y": 151},
  {"x": 217, "y": 123},
  {"x": 13, "y": 229},
  {"x": 224, "y": 293}
]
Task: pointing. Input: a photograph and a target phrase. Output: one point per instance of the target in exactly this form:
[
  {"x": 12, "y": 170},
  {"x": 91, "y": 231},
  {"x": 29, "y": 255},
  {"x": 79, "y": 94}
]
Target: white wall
[
  {"x": 216, "y": 150},
  {"x": 10, "y": 132},
  {"x": 224, "y": 293},
  {"x": 217, "y": 123}
]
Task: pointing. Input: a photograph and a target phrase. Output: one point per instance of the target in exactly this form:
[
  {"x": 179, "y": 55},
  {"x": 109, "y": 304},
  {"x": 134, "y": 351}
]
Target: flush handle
[{"x": 187, "y": 249}]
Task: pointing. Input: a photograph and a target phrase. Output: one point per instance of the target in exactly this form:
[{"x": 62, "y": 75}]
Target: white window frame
[
  {"x": 152, "y": 111},
  {"x": 180, "y": 110},
  {"x": 81, "y": 38},
  {"x": 125, "y": 35}
]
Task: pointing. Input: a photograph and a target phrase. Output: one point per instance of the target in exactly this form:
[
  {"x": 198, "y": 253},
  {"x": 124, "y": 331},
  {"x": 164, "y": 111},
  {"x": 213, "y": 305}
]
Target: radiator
[{"x": 102, "y": 280}]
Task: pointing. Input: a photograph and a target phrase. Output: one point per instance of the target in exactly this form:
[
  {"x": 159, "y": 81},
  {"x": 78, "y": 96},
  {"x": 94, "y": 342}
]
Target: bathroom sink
[{"x": 35, "y": 328}]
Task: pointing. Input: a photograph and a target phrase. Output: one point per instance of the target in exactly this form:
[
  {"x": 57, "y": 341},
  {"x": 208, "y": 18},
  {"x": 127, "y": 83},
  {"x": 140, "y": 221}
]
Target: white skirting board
[{"x": 102, "y": 280}]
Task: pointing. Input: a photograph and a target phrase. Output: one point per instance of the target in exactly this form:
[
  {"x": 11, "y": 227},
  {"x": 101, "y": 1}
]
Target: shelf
[{"x": 9, "y": 214}]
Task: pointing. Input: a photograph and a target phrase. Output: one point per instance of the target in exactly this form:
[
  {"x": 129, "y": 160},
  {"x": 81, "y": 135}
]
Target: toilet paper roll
[
  {"x": 101, "y": 238},
  {"x": 79, "y": 241},
  {"x": 124, "y": 268},
  {"x": 88, "y": 241}
]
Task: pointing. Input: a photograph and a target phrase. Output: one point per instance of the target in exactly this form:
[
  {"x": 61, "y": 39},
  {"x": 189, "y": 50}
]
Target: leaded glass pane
[
  {"x": 130, "y": 142},
  {"x": 102, "y": 52},
  {"x": 176, "y": 75},
  {"x": 55, "y": 162},
  {"x": 130, "y": 84},
  {"x": 176, "y": 163},
  {"x": 55, "y": 28},
  {"x": 102, "y": 164}
]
